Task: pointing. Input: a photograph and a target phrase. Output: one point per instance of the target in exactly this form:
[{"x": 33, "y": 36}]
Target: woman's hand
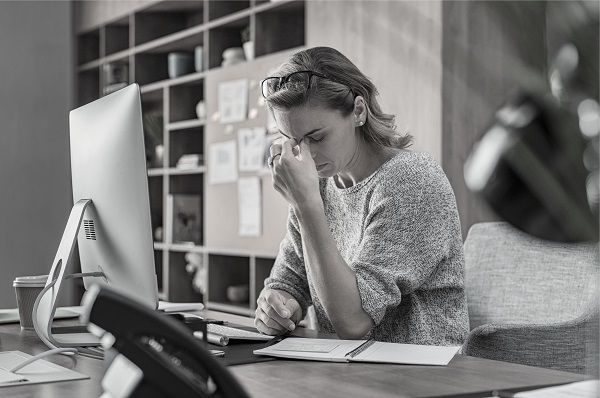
[
  {"x": 294, "y": 172},
  {"x": 276, "y": 312}
]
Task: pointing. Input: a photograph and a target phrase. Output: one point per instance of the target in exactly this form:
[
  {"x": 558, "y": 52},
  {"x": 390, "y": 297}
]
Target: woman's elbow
[{"x": 355, "y": 330}]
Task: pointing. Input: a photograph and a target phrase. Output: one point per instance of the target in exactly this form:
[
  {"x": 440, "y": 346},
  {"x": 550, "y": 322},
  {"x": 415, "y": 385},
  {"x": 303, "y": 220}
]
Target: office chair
[{"x": 531, "y": 301}]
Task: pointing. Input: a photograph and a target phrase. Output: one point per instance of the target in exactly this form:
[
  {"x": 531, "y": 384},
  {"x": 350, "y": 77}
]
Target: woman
[{"x": 373, "y": 236}]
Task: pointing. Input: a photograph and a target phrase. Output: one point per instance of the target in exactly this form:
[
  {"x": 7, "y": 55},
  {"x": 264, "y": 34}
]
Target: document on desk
[
  {"x": 580, "y": 389},
  {"x": 360, "y": 351},
  {"x": 39, "y": 371}
]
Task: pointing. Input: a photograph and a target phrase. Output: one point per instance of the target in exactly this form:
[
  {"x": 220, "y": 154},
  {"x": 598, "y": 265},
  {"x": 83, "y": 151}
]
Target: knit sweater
[{"x": 399, "y": 231}]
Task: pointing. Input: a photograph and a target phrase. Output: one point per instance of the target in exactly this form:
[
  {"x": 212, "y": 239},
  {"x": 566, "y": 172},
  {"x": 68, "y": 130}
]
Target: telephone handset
[{"x": 158, "y": 356}]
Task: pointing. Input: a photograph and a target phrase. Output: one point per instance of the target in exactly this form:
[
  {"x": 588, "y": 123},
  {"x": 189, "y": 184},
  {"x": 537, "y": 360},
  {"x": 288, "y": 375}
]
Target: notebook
[{"x": 360, "y": 351}]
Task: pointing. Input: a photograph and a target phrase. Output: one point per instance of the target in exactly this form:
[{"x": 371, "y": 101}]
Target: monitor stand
[{"x": 45, "y": 305}]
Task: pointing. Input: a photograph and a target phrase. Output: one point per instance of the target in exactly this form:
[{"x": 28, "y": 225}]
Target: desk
[{"x": 463, "y": 377}]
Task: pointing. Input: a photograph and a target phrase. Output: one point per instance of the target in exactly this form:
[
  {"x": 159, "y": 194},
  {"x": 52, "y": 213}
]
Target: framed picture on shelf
[{"x": 186, "y": 218}]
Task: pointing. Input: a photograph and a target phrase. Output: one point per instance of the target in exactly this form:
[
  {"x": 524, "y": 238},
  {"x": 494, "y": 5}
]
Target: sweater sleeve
[
  {"x": 406, "y": 237},
  {"x": 288, "y": 272}
]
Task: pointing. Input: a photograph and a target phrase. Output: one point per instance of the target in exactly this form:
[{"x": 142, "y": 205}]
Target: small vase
[
  {"x": 249, "y": 50},
  {"x": 159, "y": 151}
]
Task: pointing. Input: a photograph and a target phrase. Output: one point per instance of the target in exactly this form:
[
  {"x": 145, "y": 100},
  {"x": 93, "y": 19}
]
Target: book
[
  {"x": 187, "y": 219},
  {"x": 332, "y": 350}
]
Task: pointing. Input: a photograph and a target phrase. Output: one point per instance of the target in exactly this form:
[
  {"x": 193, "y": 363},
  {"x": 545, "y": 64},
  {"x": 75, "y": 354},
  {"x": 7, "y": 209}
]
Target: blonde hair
[{"x": 379, "y": 128}]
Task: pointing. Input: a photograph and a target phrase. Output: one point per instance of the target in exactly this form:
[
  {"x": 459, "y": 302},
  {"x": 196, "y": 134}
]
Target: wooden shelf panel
[
  {"x": 181, "y": 172},
  {"x": 155, "y": 172},
  {"x": 175, "y": 247},
  {"x": 231, "y": 308},
  {"x": 186, "y": 124}
]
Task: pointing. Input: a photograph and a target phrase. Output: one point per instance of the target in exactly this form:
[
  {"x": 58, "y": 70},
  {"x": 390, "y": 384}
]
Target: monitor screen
[{"x": 108, "y": 166}]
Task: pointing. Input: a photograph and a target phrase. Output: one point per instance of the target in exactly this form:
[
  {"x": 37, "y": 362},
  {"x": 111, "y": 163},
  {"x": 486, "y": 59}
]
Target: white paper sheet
[
  {"x": 251, "y": 144},
  {"x": 11, "y": 315},
  {"x": 581, "y": 389},
  {"x": 222, "y": 163},
  {"x": 233, "y": 101},
  {"x": 250, "y": 206},
  {"x": 40, "y": 371}
]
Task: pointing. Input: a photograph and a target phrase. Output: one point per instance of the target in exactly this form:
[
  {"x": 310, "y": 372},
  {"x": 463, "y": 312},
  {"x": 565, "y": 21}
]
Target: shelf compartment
[
  {"x": 262, "y": 271},
  {"x": 230, "y": 308},
  {"x": 166, "y": 18},
  {"x": 183, "y": 99},
  {"x": 218, "y": 9},
  {"x": 280, "y": 28},
  {"x": 116, "y": 36},
  {"x": 186, "y": 184},
  {"x": 158, "y": 265},
  {"x": 88, "y": 47},
  {"x": 88, "y": 88},
  {"x": 115, "y": 75},
  {"x": 226, "y": 271},
  {"x": 153, "y": 123},
  {"x": 155, "y": 188},
  {"x": 185, "y": 142},
  {"x": 151, "y": 99},
  {"x": 150, "y": 68},
  {"x": 222, "y": 37},
  {"x": 180, "y": 281}
]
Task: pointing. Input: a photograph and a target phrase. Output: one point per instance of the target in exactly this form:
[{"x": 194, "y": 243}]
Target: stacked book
[{"x": 189, "y": 161}]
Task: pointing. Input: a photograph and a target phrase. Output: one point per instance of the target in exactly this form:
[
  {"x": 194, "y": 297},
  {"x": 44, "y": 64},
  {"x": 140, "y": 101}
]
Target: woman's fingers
[
  {"x": 261, "y": 327},
  {"x": 287, "y": 148},
  {"x": 275, "y": 313},
  {"x": 274, "y": 149}
]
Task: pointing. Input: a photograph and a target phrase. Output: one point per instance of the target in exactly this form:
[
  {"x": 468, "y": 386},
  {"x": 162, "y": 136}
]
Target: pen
[{"x": 277, "y": 339}]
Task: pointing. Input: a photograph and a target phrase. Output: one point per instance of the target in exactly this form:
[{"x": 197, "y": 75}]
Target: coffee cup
[{"x": 27, "y": 289}]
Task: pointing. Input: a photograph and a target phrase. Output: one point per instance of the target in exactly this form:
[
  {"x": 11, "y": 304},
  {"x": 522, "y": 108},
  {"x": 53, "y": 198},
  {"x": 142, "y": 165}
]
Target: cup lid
[{"x": 30, "y": 280}]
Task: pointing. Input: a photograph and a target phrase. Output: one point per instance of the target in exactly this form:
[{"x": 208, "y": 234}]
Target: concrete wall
[
  {"x": 398, "y": 45},
  {"x": 35, "y": 98}
]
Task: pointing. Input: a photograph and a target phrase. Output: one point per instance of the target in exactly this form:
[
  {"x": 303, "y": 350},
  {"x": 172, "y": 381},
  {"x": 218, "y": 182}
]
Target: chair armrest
[{"x": 560, "y": 346}]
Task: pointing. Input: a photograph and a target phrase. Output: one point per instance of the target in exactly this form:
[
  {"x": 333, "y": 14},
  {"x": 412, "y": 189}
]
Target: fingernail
[
  {"x": 292, "y": 327},
  {"x": 285, "y": 313}
]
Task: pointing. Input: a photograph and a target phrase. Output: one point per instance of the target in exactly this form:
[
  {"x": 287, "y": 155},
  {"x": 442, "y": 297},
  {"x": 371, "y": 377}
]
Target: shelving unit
[{"x": 142, "y": 38}]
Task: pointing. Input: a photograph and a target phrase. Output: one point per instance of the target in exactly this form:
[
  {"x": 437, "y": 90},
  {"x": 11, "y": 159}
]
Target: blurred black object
[{"x": 537, "y": 165}]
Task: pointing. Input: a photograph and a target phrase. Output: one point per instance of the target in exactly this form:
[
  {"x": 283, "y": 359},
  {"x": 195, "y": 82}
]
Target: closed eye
[{"x": 312, "y": 139}]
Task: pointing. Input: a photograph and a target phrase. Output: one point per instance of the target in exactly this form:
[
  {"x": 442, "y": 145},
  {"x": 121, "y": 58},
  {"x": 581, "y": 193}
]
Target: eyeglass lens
[{"x": 297, "y": 81}]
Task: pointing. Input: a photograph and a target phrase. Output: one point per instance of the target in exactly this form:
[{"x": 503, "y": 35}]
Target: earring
[{"x": 360, "y": 123}]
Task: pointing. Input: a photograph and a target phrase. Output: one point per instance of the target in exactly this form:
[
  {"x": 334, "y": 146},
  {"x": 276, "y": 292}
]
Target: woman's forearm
[{"x": 334, "y": 281}]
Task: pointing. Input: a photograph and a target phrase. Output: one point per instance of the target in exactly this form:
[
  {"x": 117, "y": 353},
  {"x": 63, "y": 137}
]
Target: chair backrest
[{"x": 512, "y": 277}]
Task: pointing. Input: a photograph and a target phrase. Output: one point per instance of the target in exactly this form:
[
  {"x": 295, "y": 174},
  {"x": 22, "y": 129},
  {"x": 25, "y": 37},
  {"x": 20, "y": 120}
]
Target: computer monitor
[{"x": 111, "y": 214}]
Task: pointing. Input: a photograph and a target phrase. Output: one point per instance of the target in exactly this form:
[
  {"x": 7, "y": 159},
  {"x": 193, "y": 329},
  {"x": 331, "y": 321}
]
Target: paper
[
  {"x": 407, "y": 353},
  {"x": 580, "y": 389},
  {"x": 251, "y": 145},
  {"x": 40, "y": 371},
  {"x": 233, "y": 101},
  {"x": 222, "y": 163},
  {"x": 167, "y": 306},
  {"x": 250, "y": 206}
]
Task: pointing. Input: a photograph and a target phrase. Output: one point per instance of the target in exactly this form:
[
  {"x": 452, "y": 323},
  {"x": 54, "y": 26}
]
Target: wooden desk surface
[{"x": 462, "y": 377}]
